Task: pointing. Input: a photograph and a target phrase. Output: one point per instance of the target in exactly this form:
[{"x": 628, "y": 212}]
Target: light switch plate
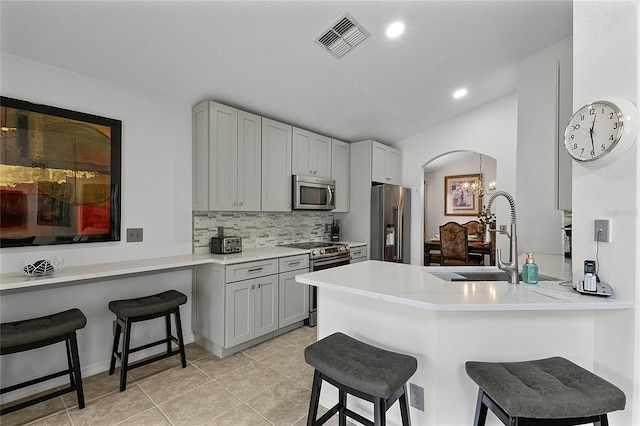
[
  {"x": 416, "y": 396},
  {"x": 601, "y": 230},
  {"x": 134, "y": 235}
]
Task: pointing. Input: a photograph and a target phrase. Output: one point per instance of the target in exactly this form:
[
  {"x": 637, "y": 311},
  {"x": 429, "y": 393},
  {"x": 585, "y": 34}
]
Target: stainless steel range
[{"x": 322, "y": 255}]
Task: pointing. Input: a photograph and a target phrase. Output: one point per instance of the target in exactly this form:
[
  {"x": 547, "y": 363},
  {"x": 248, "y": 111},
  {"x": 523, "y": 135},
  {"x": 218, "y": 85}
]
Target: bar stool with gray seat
[
  {"x": 551, "y": 391},
  {"x": 146, "y": 308},
  {"x": 362, "y": 370},
  {"x": 20, "y": 336}
]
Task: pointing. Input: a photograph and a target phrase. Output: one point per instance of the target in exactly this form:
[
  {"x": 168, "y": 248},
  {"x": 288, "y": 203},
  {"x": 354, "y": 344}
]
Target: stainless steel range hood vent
[{"x": 343, "y": 36}]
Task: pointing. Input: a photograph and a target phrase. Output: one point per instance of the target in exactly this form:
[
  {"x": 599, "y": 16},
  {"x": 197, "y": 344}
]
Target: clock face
[{"x": 593, "y": 131}]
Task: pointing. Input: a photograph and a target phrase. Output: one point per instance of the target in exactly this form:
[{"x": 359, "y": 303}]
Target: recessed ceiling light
[
  {"x": 460, "y": 93},
  {"x": 395, "y": 29}
]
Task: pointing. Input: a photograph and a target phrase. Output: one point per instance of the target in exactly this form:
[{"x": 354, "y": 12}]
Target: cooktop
[{"x": 311, "y": 245}]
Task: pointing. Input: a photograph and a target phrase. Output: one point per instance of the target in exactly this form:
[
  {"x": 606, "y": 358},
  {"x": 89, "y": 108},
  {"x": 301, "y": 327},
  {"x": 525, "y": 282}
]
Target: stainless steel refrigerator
[{"x": 390, "y": 224}]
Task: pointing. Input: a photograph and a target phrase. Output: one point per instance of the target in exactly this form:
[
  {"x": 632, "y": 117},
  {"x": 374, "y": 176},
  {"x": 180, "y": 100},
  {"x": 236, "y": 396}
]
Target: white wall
[
  {"x": 490, "y": 129},
  {"x": 539, "y": 223},
  {"x": 434, "y": 190},
  {"x": 605, "y": 53},
  {"x": 156, "y": 161},
  {"x": 156, "y": 196}
]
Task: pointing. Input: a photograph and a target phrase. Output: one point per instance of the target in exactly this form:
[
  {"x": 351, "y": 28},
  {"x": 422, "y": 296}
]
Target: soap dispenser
[{"x": 530, "y": 270}]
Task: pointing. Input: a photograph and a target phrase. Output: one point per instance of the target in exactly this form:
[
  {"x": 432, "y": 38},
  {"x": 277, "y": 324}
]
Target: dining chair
[
  {"x": 454, "y": 245},
  {"x": 472, "y": 230},
  {"x": 472, "y": 227}
]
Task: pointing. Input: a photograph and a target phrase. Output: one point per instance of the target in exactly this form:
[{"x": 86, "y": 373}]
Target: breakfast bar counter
[
  {"x": 418, "y": 286},
  {"x": 405, "y": 308},
  {"x": 18, "y": 281}
]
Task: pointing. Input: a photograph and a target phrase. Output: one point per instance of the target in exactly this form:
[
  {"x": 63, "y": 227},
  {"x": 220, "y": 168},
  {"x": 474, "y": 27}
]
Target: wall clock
[{"x": 602, "y": 131}]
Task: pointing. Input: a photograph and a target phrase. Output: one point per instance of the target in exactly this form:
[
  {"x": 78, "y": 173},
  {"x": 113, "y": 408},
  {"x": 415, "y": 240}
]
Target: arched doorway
[{"x": 445, "y": 168}]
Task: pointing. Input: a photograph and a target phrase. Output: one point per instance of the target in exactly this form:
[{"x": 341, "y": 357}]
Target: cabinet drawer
[
  {"x": 244, "y": 271},
  {"x": 358, "y": 252},
  {"x": 294, "y": 262}
]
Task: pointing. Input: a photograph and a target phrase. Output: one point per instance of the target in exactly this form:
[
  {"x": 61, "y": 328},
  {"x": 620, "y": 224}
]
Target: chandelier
[{"x": 478, "y": 188}]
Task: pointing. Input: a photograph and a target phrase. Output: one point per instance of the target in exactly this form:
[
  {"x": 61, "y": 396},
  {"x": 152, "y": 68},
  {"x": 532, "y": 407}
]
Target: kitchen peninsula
[{"x": 405, "y": 308}]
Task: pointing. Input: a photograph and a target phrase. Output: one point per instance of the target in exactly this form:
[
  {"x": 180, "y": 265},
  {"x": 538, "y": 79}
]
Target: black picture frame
[{"x": 61, "y": 175}]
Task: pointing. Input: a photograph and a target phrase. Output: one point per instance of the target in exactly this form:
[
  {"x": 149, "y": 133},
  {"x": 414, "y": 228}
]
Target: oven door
[{"x": 318, "y": 265}]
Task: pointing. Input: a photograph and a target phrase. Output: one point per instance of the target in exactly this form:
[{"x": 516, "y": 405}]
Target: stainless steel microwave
[{"x": 311, "y": 193}]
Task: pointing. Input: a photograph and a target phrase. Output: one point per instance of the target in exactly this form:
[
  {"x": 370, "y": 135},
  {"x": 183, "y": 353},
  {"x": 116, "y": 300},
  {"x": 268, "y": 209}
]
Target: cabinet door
[
  {"x": 249, "y": 161},
  {"x": 223, "y": 157},
  {"x": 340, "y": 172},
  {"x": 239, "y": 312},
  {"x": 266, "y": 305},
  {"x": 276, "y": 166},
  {"x": 293, "y": 298},
  {"x": 378, "y": 163},
  {"x": 392, "y": 166},
  {"x": 200, "y": 156},
  {"x": 321, "y": 156},
  {"x": 301, "y": 152}
]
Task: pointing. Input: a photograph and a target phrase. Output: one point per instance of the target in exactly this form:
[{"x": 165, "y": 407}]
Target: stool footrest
[
  {"x": 38, "y": 400},
  {"x": 150, "y": 345},
  {"x": 146, "y": 361},
  {"x": 34, "y": 381}
]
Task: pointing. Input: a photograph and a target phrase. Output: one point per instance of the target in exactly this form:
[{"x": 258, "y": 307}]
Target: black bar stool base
[
  {"x": 40, "y": 332},
  {"x": 123, "y": 326}
]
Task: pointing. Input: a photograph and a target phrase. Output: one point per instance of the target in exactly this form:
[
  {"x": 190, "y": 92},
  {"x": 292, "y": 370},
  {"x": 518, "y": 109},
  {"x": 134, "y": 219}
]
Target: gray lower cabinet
[
  {"x": 358, "y": 254},
  {"x": 251, "y": 309},
  {"x": 236, "y": 304},
  {"x": 293, "y": 299}
]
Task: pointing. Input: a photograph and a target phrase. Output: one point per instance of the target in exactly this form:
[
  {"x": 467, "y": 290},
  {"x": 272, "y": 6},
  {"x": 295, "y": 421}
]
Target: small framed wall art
[{"x": 460, "y": 198}]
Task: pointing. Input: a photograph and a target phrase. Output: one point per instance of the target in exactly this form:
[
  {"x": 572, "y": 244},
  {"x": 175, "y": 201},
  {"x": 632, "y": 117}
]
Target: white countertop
[
  {"x": 18, "y": 280},
  {"x": 414, "y": 286}
]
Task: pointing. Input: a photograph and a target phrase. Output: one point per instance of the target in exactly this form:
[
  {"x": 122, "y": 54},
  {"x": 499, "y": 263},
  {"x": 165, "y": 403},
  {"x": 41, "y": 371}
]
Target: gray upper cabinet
[
  {"x": 311, "y": 154},
  {"x": 249, "y": 161},
  {"x": 385, "y": 163},
  {"x": 226, "y": 158},
  {"x": 276, "y": 165}
]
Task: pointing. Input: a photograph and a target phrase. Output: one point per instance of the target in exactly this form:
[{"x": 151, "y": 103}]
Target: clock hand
[{"x": 593, "y": 148}]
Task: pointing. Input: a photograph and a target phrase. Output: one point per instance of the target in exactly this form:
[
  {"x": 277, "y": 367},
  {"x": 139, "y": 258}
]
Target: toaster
[{"x": 225, "y": 245}]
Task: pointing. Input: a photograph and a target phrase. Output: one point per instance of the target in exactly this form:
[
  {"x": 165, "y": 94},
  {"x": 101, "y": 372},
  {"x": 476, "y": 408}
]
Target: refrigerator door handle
[{"x": 399, "y": 232}]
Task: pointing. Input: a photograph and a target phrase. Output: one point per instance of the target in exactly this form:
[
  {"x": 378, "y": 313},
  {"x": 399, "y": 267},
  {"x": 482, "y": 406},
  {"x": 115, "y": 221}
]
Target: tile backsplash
[{"x": 260, "y": 229}]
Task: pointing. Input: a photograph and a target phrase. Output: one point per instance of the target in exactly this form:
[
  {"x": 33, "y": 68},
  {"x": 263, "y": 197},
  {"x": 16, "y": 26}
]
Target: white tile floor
[{"x": 268, "y": 384}]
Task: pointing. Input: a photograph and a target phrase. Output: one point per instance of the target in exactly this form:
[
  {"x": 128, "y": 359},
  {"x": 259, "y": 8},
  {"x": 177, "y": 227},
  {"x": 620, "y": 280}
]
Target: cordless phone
[{"x": 590, "y": 279}]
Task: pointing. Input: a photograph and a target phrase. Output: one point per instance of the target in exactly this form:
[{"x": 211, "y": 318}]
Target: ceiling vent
[{"x": 343, "y": 36}]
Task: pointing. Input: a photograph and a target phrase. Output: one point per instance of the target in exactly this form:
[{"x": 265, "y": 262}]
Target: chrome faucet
[{"x": 510, "y": 267}]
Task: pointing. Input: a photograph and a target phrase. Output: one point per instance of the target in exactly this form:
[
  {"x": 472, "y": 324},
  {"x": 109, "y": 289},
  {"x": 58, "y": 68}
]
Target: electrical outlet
[
  {"x": 503, "y": 228},
  {"x": 416, "y": 396},
  {"x": 601, "y": 230},
  {"x": 134, "y": 235},
  {"x": 326, "y": 227}
]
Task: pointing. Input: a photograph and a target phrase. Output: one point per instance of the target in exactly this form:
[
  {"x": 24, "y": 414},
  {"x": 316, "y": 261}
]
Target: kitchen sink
[{"x": 490, "y": 275}]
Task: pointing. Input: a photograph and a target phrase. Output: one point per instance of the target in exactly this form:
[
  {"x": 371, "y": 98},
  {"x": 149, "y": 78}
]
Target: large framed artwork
[
  {"x": 60, "y": 175},
  {"x": 459, "y": 196}
]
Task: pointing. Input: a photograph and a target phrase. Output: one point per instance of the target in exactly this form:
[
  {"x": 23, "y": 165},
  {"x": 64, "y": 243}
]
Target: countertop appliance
[
  {"x": 225, "y": 245},
  {"x": 322, "y": 255},
  {"x": 312, "y": 193},
  {"x": 390, "y": 208}
]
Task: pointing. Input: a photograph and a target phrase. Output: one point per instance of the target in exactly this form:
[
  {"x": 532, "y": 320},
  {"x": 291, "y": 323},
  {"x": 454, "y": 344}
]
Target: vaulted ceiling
[{"x": 261, "y": 56}]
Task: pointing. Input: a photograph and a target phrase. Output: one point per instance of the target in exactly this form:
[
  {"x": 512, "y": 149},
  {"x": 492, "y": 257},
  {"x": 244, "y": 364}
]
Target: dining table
[{"x": 475, "y": 246}]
